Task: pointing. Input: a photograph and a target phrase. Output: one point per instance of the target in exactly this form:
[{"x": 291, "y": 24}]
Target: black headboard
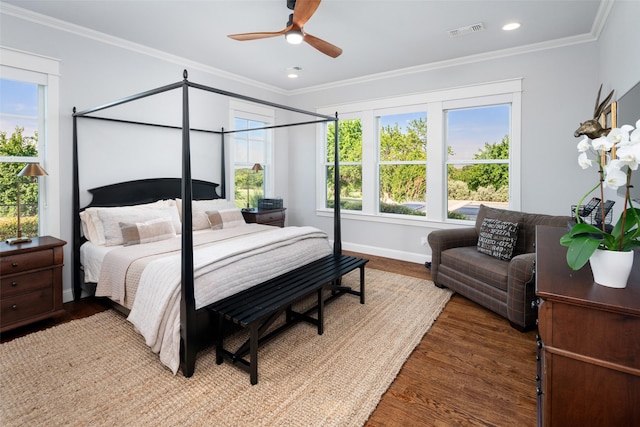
[{"x": 149, "y": 190}]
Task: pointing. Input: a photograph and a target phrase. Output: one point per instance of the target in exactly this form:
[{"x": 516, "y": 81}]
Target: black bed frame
[{"x": 193, "y": 322}]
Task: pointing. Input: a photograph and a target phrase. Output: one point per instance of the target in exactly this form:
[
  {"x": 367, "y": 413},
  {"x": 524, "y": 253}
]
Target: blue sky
[
  {"x": 468, "y": 128},
  {"x": 18, "y": 106}
]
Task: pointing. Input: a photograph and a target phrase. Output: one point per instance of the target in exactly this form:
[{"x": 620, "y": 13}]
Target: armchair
[{"x": 504, "y": 286}]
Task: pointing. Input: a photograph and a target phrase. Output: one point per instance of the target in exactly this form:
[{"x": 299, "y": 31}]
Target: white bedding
[{"x": 227, "y": 264}]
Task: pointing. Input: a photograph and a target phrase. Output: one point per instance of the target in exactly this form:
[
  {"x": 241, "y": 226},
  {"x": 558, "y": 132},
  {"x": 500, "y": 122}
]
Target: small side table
[
  {"x": 31, "y": 281},
  {"x": 273, "y": 217}
]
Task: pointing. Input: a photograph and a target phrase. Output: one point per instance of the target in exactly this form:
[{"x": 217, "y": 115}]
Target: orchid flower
[
  {"x": 584, "y": 161},
  {"x": 613, "y": 176},
  {"x": 602, "y": 143},
  {"x": 584, "y": 145}
]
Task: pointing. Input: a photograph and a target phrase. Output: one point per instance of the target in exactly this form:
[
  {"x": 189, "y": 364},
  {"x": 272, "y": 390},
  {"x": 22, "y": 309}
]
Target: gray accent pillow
[{"x": 497, "y": 238}]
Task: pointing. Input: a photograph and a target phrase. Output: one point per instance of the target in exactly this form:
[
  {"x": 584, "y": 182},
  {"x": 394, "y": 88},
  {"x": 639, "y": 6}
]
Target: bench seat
[{"x": 258, "y": 307}]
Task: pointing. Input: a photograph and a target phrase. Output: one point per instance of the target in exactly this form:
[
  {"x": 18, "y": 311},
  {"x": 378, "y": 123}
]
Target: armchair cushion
[{"x": 497, "y": 238}]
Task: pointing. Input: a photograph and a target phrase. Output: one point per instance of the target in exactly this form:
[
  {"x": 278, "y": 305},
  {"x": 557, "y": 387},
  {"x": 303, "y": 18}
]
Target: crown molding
[{"x": 81, "y": 31}]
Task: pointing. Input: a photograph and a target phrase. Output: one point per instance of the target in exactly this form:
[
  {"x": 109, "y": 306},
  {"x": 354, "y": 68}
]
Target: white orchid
[
  {"x": 613, "y": 175},
  {"x": 602, "y": 143},
  {"x": 584, "y": 145},
  {"x": 615, "y": 168},
  {"x": 584, "y": 161}
]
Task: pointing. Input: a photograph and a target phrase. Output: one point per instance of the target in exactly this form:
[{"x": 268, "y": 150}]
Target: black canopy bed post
[
  {"x": 337, "y": 231},
  {"x": 188, "y": 301},
  {"x": 223, "y": 173},
  {"x": 77, "y": 271}
]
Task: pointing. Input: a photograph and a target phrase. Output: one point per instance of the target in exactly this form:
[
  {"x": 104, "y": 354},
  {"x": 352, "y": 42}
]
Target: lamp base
[{"x": 16, "y": 240}]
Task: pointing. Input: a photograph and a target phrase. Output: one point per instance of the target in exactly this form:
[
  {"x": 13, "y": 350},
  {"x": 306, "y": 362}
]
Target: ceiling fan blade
[
  {"x": 258, "y": 35},
  {"x": 323, "y": 46},
  {"x": 303, "y": 11}
]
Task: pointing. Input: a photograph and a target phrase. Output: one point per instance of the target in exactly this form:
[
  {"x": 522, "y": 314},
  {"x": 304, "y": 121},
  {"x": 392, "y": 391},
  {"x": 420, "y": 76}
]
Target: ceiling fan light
[{"x": 294, "y": 36}]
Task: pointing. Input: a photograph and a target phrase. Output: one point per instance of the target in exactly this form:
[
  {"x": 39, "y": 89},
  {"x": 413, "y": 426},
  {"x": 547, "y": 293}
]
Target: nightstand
[
  {"x": 31, "y": 281},
  {"x": 265, "y": 216}
]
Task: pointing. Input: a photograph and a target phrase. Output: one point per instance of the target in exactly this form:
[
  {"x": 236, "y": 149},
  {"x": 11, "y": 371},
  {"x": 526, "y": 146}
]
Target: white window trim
[
  {"x": 436, "y": 102},
  {"x": 43, "y": 70},
  {"x": 258, "y": 113}
]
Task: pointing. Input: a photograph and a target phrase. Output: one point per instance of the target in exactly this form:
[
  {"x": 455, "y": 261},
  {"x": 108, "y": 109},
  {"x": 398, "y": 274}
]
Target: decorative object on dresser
[
  {"x": 617, "y": 153},
  {"x": 31, "y": 281},
  {"x": 589, "y": 342},
  {"x": 265, "y": 216},
  {"x": 466, "y": 261},
  {"x": 30, "y": 170}
]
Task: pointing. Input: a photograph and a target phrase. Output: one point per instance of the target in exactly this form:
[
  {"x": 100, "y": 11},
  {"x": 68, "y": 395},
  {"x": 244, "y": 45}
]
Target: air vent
[{"x": 463, "y": 31}]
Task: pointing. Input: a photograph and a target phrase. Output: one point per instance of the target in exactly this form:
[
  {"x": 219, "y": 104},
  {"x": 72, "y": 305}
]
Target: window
[
  {"x": 477, "y": 159},
  {"x": 251, "y": 148},
  {"x": 472, "y": 155},
  {"x": 29, "y": 131},
  {"x": 20, "y": 117},
  {"x": 350, "y": 156},
  {"x": 402, "y": 164}
]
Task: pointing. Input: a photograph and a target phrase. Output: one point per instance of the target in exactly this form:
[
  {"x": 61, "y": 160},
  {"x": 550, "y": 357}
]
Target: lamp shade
[{"x": 32, "y": 169}]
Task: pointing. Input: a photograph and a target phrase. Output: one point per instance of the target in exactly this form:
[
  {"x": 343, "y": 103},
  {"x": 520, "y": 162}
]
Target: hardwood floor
[{"x": 471, "y": 368}]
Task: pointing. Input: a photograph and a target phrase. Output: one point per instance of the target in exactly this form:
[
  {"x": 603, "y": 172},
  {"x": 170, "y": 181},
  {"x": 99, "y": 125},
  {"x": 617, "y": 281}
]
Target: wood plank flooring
[{"x": 471, "y": 368}]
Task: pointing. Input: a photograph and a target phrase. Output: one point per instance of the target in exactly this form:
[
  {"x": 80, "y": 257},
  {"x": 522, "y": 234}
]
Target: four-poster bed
[{"x": 195, "y": 322}]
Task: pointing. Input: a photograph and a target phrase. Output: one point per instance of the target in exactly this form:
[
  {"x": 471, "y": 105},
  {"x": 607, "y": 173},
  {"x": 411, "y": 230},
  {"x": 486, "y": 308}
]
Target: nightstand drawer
[
  {"x": 26, "y": 282},
  {"x": 20, "y": 307},
  {"x": 23, "y": 262},
  {"x": 268, "y": 217}
]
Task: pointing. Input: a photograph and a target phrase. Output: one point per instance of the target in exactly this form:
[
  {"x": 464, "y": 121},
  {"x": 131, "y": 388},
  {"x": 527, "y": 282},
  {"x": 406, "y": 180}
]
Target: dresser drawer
[
  {"x": 27, "y": 282},
  {"x": 28, "y": 261},
  {"x": 24, "y": 306}
]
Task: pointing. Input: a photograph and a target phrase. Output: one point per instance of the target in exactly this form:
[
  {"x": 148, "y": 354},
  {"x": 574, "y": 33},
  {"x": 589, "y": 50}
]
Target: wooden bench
[{"x": 258, "y": 307}]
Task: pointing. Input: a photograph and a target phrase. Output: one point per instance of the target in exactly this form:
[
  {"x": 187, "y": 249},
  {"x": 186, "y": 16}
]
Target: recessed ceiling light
[
  {"x": 293, "y": 72},
  {"x": 511, "y": 26}
]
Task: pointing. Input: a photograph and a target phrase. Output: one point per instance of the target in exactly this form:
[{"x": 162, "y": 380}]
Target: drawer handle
[
  {"x": 14, "y": 264},
  {"x": 14, "y": 284},
  {"x": 14, "y": 307}
]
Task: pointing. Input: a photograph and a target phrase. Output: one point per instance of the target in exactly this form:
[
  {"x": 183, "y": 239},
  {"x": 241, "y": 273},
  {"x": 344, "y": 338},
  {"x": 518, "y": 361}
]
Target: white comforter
[{"x": 221, "y": 268}]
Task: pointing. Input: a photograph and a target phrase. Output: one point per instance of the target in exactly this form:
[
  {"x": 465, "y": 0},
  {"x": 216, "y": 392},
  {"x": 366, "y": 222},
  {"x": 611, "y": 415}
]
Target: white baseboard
[{"x": 419, "y": 258}]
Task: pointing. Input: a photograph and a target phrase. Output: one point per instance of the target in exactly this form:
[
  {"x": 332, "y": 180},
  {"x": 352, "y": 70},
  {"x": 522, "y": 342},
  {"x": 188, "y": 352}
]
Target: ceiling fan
[{"x": 293, "y": 32}]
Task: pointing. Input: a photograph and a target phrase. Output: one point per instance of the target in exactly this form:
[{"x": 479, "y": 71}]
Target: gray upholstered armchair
[{"x": 505, "y": 286}]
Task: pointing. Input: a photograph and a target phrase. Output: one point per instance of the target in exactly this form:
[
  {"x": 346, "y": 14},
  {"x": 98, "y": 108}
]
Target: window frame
[
  {"x": 45, "y": 71},
  {"x": 436, "y": 102},
  {"x": 247, "y": 111}
]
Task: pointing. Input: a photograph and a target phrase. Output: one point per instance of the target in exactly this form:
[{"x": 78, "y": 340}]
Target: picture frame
[{"x": 608, "y": 118}]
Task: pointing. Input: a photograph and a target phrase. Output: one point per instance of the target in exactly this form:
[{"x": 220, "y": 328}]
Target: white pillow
[
  {"x": 147, "y": 232},
  {"x": 225, "y": 218},
  {"x": 111, "y": 219},
  {"x": 199, "y": 210},
  {"x": 93, "y": 229}
]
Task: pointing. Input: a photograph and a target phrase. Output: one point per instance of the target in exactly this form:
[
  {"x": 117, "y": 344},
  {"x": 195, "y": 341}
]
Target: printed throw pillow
[
  {"x": 497, "y": 238},
  {"x": 225, "y": 218},
  {"x": 147, "y": 232}
]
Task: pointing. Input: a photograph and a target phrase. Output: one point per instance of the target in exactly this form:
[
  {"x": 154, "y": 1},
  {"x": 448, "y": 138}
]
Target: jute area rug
[{"x": 98, "y": 371}]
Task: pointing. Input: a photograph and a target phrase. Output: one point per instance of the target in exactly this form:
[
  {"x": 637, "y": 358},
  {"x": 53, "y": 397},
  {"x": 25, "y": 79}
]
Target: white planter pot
[{"x": 611, "y": 268}]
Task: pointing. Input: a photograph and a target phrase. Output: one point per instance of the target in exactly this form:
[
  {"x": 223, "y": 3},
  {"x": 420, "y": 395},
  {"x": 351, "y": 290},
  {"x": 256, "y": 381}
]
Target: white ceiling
[{"x": 377, "y": 36}]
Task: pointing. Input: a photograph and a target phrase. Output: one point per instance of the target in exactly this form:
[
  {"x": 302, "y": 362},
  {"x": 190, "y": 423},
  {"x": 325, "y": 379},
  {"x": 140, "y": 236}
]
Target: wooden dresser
[
  {"x": 265, "y": 216},
  {"x": 30, "y": 281},
  {"x": 589, "y": 342}
]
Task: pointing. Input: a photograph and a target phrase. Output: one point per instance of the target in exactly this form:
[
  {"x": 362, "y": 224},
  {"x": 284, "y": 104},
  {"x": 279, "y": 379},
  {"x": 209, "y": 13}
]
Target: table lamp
[
  {"x": 256, "y": 167},
  {"x": 30, "y": 169}
]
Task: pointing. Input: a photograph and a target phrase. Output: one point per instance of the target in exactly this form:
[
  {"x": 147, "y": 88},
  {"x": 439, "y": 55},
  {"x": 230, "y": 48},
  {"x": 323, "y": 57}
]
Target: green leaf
[{"x": 580, "y": 250}]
